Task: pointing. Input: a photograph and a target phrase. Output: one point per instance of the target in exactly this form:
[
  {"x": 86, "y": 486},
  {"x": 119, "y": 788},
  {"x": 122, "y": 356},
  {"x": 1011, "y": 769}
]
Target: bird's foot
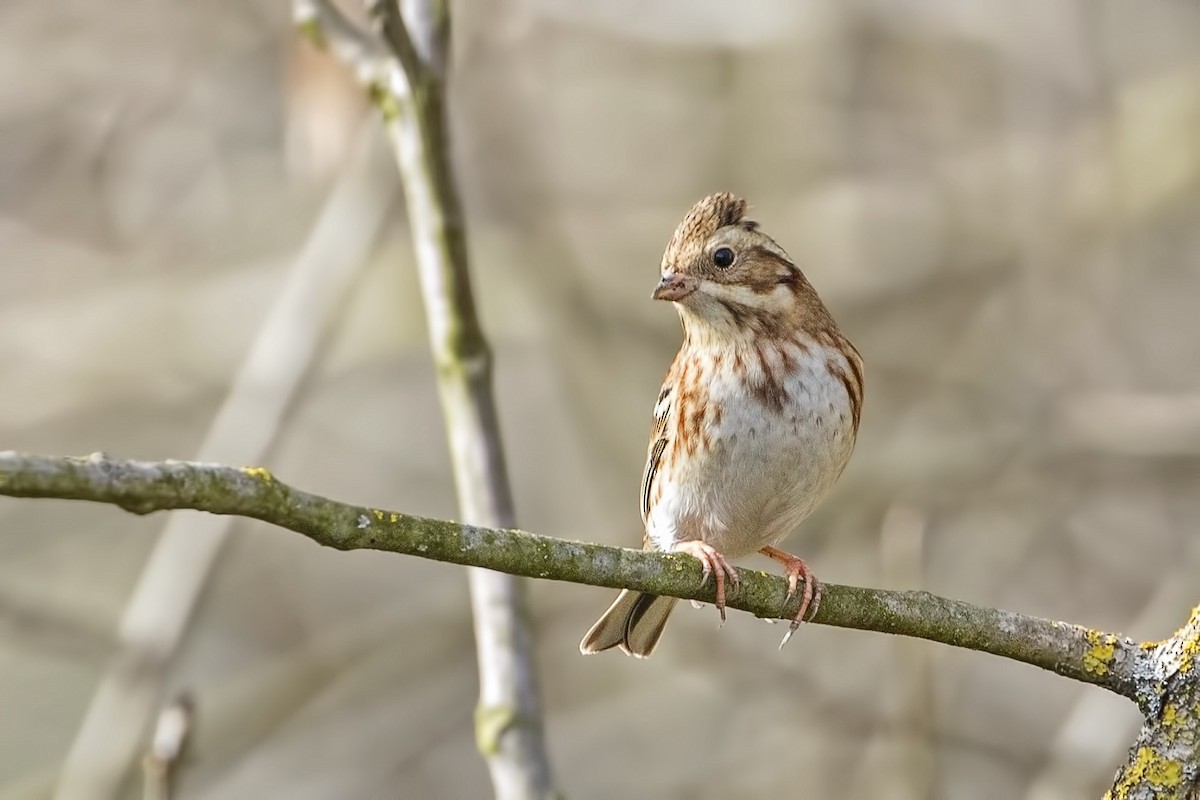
[
  {"x": 797, "y": 570},
  {"x": 714, "y": 563}
]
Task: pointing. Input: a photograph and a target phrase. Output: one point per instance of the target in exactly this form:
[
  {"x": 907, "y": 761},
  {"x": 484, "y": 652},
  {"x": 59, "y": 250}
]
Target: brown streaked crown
[
  {"x": 718, "y": 221},
  {"x": 706, "y": 218},
  {"x": 761, "y": 293}
]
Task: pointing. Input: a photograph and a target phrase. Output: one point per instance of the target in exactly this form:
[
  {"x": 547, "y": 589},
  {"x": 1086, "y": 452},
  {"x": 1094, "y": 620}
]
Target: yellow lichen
[
  {"x": 1148, "y": 767},
  {"x": 385, "y": 101},
  {"x": 378, "y": 514},
  {"x": 395, "y": 517},
  {"x": 1190, "y": 634},
  {"x": 491, "y": 723},
  {"x": 1102, "y": 648},
  {"x": 258, "y": 472},
  {"x": 310, "y": 29}
]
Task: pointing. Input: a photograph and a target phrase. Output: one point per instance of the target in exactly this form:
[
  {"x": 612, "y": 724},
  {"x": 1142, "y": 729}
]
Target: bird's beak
[{"x": 675, "y": 286}]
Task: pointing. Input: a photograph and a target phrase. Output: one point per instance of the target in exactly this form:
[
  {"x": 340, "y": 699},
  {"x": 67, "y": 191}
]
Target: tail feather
[{"x": 634, "y": 622}]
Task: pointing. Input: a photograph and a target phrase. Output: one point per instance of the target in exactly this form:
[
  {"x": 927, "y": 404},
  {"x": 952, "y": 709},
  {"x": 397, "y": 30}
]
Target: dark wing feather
[{"x": 658, "y": 445}]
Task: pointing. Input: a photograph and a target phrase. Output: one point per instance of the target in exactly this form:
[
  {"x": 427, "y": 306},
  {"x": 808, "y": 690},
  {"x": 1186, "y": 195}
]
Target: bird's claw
[
  {"x": 713, "y": 563},
  {"x": 796, "y": 570}
]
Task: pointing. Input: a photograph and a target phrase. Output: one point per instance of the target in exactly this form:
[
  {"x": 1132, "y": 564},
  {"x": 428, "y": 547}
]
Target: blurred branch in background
[
  {"x": 901, "y": 761},
  {"x": 168, "y": 749},
  {"x": 157, "y": 615},
  {"x": 324, "y": 109},
  {"x": 408, "y": 84},
  {"x": 1142, "y": 425}
]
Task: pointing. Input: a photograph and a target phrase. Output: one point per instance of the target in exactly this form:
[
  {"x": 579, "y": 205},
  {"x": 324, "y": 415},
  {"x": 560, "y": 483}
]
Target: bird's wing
[{"x": 659, "y": 439}]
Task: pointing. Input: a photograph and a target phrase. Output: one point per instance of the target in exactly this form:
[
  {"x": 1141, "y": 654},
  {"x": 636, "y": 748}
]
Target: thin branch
[
  {"x": 1086, "y": 655},
  {"x": 327, "y": 27},
  {"x": 429, "y": 21},
  {"x": 509, "y": 727},
  {"x": 394, "y": 33},
  {"x": 168, "y": 748}
]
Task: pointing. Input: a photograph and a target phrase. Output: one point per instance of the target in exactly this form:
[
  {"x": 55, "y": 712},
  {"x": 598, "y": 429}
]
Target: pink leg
[
  {"x": 796, "y": 570},
  {"x": 714, "y": 563}
]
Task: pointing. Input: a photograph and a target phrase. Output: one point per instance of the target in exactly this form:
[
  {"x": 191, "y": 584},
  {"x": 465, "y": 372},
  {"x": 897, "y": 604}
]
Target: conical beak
[{"x": 675, "y": 286}]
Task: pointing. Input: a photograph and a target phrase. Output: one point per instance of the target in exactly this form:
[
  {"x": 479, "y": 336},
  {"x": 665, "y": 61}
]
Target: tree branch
[
  {"x": 408, "y": 86},
  {"x": 328, "y": 28},
  {"x": 1102, "y": 659},
  {"x": 1164, "y": 761},
  {"x": 1163, "y": 678},
  {"x": 394, "y": 33}
]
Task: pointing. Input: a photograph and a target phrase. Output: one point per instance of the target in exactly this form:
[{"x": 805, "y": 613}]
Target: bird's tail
[{"x": 634, "y": 622}]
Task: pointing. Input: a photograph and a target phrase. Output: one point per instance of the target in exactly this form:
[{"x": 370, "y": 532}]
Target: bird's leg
[
  {"x": 796, "y": 570},
  {"x": 714, "y": 563}
]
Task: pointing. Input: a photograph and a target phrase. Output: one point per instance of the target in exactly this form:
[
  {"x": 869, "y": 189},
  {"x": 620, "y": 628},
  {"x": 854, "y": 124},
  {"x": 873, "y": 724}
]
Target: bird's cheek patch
[
  {"x": 777, "y": 298},
  {"x": 734, "y": 293}
]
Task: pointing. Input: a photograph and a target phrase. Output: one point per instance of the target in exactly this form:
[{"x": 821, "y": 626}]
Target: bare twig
[
  {"x": 899, "y": 761},
  {"x": 393, "y": 31},
  {"x": 1087, "y": 655},
  {"x": 508, "y": 722},
  {"x": 429, "y": 23},
  {"x": 168, "y": 748},
  {"x": 508, "y": 719},
  {"x": 327, "y": 27},
  {"x": 154, "y": 620}
]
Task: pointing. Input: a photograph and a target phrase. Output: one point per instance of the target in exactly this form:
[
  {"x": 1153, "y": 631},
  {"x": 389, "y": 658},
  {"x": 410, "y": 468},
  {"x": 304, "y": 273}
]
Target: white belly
[{"x": 764, "y": 471}]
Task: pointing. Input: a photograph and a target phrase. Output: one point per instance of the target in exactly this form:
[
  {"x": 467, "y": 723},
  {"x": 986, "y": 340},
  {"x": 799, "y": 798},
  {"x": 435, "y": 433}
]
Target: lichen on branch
[{"x": 1164, "y": 761}]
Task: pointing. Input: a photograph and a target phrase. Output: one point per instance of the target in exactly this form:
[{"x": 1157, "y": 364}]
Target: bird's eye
[{"x": 722, "y": 257}]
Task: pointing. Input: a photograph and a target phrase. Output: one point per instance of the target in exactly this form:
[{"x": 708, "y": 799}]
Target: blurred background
[{"x": 1000, "y": 202}]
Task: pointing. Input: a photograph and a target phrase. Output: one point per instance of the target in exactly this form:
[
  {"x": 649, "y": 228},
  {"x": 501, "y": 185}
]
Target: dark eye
[{"x": 722, "y": 257}]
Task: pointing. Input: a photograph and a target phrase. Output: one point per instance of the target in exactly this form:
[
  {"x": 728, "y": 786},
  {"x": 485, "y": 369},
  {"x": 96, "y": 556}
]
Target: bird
[{"x": 755, "y": 422}]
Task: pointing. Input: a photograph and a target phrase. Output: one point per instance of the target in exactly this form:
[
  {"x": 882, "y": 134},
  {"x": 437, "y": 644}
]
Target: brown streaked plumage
[{"x": 756, "y": 419}]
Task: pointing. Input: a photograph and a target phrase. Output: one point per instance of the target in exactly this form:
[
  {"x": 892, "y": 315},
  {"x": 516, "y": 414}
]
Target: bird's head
[{"x": 727, "y": 277}]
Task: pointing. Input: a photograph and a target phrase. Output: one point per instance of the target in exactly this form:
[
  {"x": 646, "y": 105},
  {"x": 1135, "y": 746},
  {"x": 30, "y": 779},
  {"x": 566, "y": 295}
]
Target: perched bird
[{"x": 755, "y": 421}]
